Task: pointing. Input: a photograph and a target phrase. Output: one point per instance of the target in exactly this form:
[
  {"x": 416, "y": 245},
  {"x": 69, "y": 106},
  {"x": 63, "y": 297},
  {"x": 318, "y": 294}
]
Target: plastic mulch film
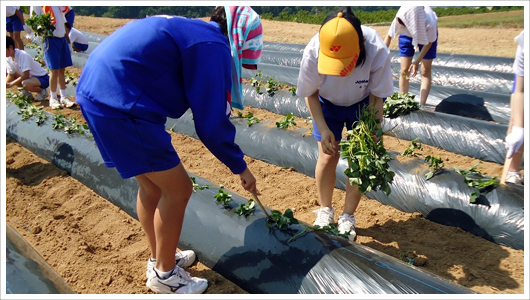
[
  {"x": 27, "y": 272},
  {"x": 444, "y": 199},
  {"x": 466, "y": 136},
  {"x": 462, "y": 61},
  {"x": 448, "y": 99},
  {"x": 242, "y": 249}
]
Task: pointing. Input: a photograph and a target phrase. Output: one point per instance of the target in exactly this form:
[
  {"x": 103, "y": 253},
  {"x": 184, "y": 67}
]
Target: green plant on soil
[
  {"x": 286, "y": 121},
  {"x": 293, "y": 90},
  {"x": 366, "y": 155},
  {"x": 413, "y": 145},
  {"x": 69, "y": 125},
  {"x": 436, "y": 166},
  {"x": 476, "y": 180},
  {"x": 224, "y": 198},
  {"x": 245, "y": 209},
  {"x": 399, "y": 104},
  {"x": 250, "y": 117},
  {"x": 70, "y": 78}
]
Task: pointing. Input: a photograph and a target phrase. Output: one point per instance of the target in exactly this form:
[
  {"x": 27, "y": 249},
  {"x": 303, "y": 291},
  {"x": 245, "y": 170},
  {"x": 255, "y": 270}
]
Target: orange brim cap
[{"x": 339, "y": 47}]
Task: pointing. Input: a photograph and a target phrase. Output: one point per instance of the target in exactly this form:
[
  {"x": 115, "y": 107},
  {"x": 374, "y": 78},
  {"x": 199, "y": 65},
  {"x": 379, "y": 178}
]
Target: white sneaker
[
  {"x": 346, "y": 224},
  {"x": 67, "y": 102},
  {"x": 179, "y": 282},
  {"x": 514, "y": 178},
  {"x": 183, "y": 259},
  {"x": 325, "y": 216},
  {"x": 42, "y": 95},
  {"x": 24, "y": 93},
  {"x": 54, "y": 103}
]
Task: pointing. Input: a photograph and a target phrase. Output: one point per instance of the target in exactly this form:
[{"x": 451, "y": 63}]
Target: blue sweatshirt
[{"x": 160, "y": 67}]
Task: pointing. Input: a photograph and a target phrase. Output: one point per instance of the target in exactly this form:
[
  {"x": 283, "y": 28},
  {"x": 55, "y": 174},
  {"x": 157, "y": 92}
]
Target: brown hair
[{"x": 219, "y": 16}]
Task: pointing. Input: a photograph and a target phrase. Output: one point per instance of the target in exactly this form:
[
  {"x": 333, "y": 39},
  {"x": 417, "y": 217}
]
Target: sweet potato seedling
[
  {"x": 475, "y": 179},
  {"x": 413, "y": 145},
  {"x": 436, "y": 166},
  {"x": 245, "y": 209},
  {"x": 285, "y": 122},
  {"x": 366, "y": 155}
]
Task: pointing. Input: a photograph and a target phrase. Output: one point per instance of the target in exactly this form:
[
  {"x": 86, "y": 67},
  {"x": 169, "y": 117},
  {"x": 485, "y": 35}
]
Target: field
[{"x": 98, "y": 248}]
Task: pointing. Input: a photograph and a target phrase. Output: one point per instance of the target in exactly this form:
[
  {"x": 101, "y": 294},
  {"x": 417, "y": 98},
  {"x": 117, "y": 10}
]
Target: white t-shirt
[
  {"x": 518, "y": 64},
  {"x": 374, "y": 76},
  {"x": 11, "y": 10},
  {"x": 420, "y": 24},
  {"x": 59, "y": 31},
  {"x": 77, "y": 36},
  {"x": 22, "y": 63}
]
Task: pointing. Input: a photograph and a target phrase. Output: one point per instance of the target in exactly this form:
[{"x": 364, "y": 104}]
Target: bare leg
[
  {"x": 353, "y": 197},
  {"x": 173, "y": 189},
  {"x": 426, "y": 80},
  {"x": 325, "y": 175},
  {"x": 404, "y": 74}
]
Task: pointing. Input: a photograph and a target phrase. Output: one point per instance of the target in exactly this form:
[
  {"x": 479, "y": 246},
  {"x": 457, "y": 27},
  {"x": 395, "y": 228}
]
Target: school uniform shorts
[
  {"x": 338, "y": 116},
  {"x": 57, "y": 53},
  {"x": 406, "y": 49},
  {"x": 133, "y": 146},
  {"x": 14, "y": 23}
]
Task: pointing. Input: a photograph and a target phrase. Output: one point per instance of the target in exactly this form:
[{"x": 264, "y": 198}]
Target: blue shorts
[
  {"x": 338, "y": 116},
  {"x": 44, "y": 81},
  {"x": 406, "y": 49},
  {"x": 57, "y": 54},
  {"x": 132, "y": 146},
  {"x": 14, "y": 23},
  {"x": 81, "y": 47},
  {"x": 70, "y": 17}
]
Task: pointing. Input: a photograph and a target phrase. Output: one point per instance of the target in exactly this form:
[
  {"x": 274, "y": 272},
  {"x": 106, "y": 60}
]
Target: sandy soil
[{"x": 98, "y": 248}]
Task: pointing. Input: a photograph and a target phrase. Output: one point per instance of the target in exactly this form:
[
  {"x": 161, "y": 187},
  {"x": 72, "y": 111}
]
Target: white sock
[
  {"x": 63, "y": 93},
  {"x": 54, "y": 95},
  {"x": 513, "y": 173},
  {"x": 163, "y": 275}
]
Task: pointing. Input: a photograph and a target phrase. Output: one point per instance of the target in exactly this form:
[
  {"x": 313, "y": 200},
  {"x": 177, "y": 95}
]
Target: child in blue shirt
[{"x": 144, "y": 72}]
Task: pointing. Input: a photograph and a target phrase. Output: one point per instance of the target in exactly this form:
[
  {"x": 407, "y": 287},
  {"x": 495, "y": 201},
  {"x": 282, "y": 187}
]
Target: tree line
[{"x": 300, "y": 14}]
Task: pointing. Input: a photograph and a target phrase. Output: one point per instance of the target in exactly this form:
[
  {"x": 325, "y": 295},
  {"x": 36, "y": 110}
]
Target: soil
[{"x": 99, "y": 249}]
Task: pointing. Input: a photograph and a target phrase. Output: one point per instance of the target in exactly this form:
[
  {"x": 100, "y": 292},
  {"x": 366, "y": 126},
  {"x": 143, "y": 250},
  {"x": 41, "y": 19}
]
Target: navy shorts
[
  {"x": 406, "y": 49},
  {"x": 57, "y": 54},
  {"x": 44, "y": 81},
  {"x": 81, "y": 47},
  {"x": 14, "y": 23},
  {"x": 338, "y": 116},
  {"x": 132, "y": 146}
]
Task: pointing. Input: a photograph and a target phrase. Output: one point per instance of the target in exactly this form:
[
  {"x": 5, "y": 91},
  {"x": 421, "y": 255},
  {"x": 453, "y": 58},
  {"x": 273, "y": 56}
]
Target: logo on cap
[{"x": 335, "y": 48}]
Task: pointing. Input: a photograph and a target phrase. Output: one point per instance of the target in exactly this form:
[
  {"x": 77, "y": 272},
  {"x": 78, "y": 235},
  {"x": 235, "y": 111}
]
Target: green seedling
[
  {"x": 476, "y": 180},
  {"x": 197, "y": 186},
  {"x": 366, "y": 155},
  {"x": 436, "y": 165},
  {"x": 281, "y": 221},
  {"x": 285, "y": 122},
  {"x": 224, "y": 198},
  {"x": 250, "y": 117},
  {"x": 293, "y": 90},
  {"x": 41, "y": 25},
  {"x": 245, "y": 209},
  {"x": 413, "y": 145},
  {"x": 399, "y": 104}
]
